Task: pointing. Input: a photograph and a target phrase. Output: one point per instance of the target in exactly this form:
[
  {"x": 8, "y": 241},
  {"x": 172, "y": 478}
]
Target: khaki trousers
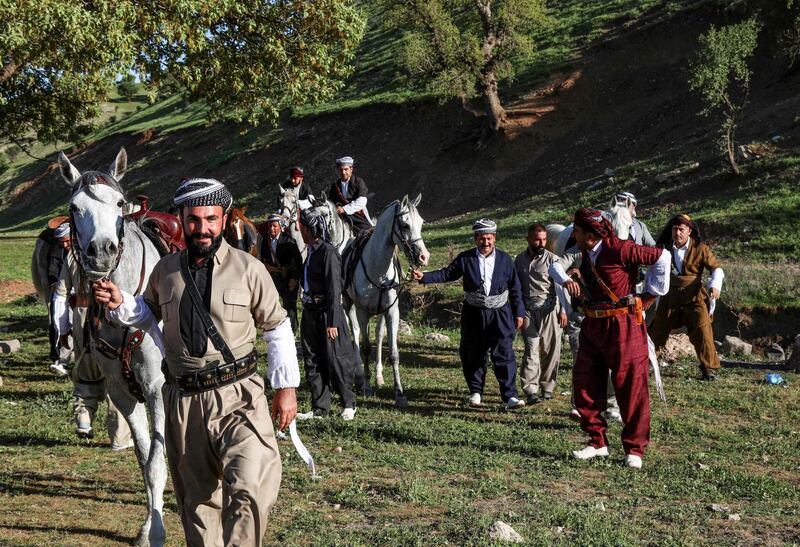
[
  {"x": 224, "y": 462},
  {"x": 542, "y": 336},
  {"x": 693, "y": 315}
]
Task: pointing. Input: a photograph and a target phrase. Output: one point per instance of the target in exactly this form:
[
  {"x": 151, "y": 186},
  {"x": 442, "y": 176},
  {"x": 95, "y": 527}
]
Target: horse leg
[
  {"x": 362, "y": 319},
  {"x": 392, "y": 316},
  {"x": 361, "y": 379},
  {"x": 379, "y": 330}
]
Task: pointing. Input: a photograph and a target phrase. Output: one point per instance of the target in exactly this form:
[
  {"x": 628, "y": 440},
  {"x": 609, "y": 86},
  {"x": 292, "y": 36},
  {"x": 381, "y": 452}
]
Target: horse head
[
  {"x": 407, "y": 231},
  {"x": 241, "y": 233},
  {"x": 287, "y": 204},
  {"x": 621, "y": 219},
  {"x": 97, "y": 209}
]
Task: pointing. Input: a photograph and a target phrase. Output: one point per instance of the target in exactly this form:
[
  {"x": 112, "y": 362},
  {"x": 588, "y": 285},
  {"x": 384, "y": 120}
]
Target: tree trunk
[
  {"x": 9, "y": 68},
  {"x": 730, "y": 148},
  {"x": 494, "y": 108}
]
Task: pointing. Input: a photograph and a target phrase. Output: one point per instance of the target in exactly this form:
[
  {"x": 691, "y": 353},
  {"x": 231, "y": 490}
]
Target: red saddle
[{"x": 165, "y": 225}]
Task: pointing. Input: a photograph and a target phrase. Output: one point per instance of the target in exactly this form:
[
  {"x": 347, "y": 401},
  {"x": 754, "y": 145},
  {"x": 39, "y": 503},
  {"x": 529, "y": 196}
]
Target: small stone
[
  {"x": 337, "y": 506},
  {"x": 404, "y": 328},
  {"x": 609, "y": 172},
  {"x": 775, "y": 353},
  {"x": 600, "y": 506},
  {"x": 10, "y": 346},
  {"x": 734, "y": 516},
  {"x": 702, "y": 466},
  {"x": 732, "y": 344},
  {"x": 338, "y": 450},
  {"x": 564, "y": 393},
  {"x": 500, "y": 531},
  {"x": 559, "y": 529},
  {"x": 437, "y": 337},
  {"x": 719, "y": 508}
]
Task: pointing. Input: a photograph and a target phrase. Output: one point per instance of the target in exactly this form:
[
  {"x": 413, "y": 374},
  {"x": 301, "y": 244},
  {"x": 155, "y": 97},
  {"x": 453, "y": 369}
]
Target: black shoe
[
  {"x": 532, "y": 399},
  {"x": 547, "y": 396},
  {"x": 708, "y": 374}
]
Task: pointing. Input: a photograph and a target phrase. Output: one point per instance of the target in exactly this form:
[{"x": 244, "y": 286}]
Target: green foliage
[
  {"x": 246, "y": 59},
  {"x": 721, "y": 75},
  {"x": 128, "y": 87},
  {"x": 451, "y": 44}
]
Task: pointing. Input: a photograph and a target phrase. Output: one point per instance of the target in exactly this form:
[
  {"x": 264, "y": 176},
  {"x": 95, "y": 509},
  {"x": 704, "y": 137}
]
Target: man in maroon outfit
[{"x": 613, "y": 333}]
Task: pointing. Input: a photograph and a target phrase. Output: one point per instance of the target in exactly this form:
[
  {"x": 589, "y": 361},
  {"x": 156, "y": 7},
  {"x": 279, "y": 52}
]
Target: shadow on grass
[
  {"x": 10, "y": 439},
  {"x": 105, "y": 534}
]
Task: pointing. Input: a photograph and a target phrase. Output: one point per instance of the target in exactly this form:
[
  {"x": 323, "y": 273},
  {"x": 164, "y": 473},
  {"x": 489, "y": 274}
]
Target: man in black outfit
[
  {"x": 296, "y": 183},
  {"x": 349, "y": 194},
  {"x": 282, "y": 258},
  {"x": 328, "y": 353}
]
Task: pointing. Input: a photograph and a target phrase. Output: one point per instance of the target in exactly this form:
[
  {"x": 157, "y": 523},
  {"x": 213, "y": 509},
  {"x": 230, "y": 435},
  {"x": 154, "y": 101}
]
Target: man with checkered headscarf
[
  {"x": 493, "y": 310},
  {"x": 220, "y": 442}
]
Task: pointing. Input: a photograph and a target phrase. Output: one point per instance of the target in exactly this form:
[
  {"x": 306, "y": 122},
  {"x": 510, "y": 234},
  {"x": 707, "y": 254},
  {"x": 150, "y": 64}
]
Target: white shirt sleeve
[
  {"x": 134, "y": 312},
  {"x": 355, "y": 206},
  {"x": 563, "y": 298},
  {"x": 304, "y": 204},
  {"x": 717, "y": 275},
  {"x": 558, "y": 274},
  {"x": 656, "y": 280},
  {"x": 61, "y": 315},
  {"x": 282, "y": 368}
]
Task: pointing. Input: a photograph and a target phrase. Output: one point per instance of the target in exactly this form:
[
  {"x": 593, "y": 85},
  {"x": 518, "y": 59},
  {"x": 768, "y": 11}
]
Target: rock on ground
[
  {"x": 404, "y": 328},
  {"x": 733, "y": 344},
  {"x": 500, "y": 531},
  {"x": 437, "y": 337},
  {"x": 677, "y": 347},
  {"x": 775, "y": 353},
  {"x": 9, "y": 346}
]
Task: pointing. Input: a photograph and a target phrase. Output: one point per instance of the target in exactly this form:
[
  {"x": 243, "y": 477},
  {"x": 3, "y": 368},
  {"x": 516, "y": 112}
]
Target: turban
[
  {"x": 315, "y": 222},
  {"x": 623, "y": 198},
  {"x": 275, "y": 217},
  {"x": 62, "y": 231},
  {"x": 595, "y": 221},
  {"x": 347, "y": 160},
  {"x": 203, "y": 193},
  {"x": 665, "y": 239},
  {"x": 484, "y": 226},
  {"x": 297, "y": 172}
]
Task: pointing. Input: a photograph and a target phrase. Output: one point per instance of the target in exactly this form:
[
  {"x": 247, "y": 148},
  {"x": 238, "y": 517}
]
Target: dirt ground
[{"x": 12, "y": 289}]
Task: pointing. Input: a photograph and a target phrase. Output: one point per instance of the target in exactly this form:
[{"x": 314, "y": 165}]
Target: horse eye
[
  {"x": 120, "y": 203},
  {"x": 73, "y": 208}
]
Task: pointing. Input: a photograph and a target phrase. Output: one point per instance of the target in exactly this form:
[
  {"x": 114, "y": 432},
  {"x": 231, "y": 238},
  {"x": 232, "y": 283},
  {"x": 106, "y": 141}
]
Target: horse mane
[{"x": 94, "y": 178}]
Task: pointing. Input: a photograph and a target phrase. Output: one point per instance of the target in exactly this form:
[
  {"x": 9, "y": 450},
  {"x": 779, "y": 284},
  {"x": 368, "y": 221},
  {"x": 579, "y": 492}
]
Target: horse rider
[
  {"x": 544, "y": 317},
  {"x": 59, "y": 243},
  {"x": 220, "y": 442},
  {"x": 613, "y": 333},
  {"x": 639, "y": 233},
  {"x": 349, "y": 194},
  {"x": 689, "y": 303},
  {"x": 70, "y": 311},
  {"x": 493, "y": 310},
  {"x": 282, "y": 258},
  {"x": 296, "y": 183},
  {"x": 328, "y": 353}
]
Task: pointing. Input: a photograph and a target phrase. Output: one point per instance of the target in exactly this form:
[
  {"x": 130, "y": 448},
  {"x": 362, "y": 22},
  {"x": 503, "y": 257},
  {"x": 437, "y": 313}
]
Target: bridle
[{"x": 398, "y": 239}]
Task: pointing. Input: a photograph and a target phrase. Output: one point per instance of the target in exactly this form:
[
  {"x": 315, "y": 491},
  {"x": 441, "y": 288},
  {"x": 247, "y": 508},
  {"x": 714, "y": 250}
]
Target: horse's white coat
[{"x": 290, "y": 209}]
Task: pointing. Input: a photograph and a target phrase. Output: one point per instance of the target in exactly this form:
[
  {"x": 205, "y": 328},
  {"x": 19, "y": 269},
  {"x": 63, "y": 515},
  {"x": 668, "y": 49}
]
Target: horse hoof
[
  {"x": 379, "y": 381},
  {"x": 401, "y": 401}
]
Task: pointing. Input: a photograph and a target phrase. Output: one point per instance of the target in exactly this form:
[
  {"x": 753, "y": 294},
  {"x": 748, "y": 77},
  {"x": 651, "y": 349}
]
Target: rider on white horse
[{"x": 296, "y": 184}]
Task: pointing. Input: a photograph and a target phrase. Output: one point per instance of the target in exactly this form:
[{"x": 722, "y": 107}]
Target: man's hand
[
  {"x": 106, "y": 292},
  {"x": 573, "y": 287},
  {"x": 562, "y": 319},
  {"x": 417, "y": 275},
  {"x": 715, "y": 294},
  {"x": 63, "y": 340},
  {"x": 647, "y": 300},
  {"x": 339, "y": 209},
  {"x": 332, "y": 333},
  {"x": 518, "y": 322},
  {"x": 284, "y": 407}
]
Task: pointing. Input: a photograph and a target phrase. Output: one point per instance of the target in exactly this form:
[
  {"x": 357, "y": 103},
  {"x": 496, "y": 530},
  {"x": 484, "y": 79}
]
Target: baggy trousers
[
  {"x": 574, "y": 333},
  {"x": 488, "y": 333},
  {"x": 617, "y": 344},
  {"x": 674, "y": 312},
  {"x": 328, "y": 363},
  {"x": 542, "y": 336},
  {"x": 224, "y": 462}
]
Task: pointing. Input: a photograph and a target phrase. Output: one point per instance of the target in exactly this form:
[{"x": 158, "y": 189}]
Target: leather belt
[
  {"x": 601, "y": 311},
  {"x": 215, "y": 376}
]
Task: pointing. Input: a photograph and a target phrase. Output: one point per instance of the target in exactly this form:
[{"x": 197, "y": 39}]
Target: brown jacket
[
  {"x": 243, "y": 297},
  {"x": 686, "y": 286}
]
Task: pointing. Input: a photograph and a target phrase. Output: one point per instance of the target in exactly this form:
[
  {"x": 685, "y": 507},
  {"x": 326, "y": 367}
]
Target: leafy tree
[
  {"x": 464, "y": 48},
  {"x": 128, "y": 87},
  {"x": 247, "y": 59},
  {"x": 722, "y": 77}
]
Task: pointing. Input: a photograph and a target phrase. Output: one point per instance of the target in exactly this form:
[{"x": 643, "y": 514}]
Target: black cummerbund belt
[
  {"x": 215, "y": 376},
  {"x": 314, "y": 302}
]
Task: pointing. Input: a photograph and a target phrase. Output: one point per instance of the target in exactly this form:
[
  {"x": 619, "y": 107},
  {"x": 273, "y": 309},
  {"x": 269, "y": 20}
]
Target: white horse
[
  {"x": 376, "y": 280},
  {"x": 109, "y": 245},
  {"x": 287, "y": 205}
]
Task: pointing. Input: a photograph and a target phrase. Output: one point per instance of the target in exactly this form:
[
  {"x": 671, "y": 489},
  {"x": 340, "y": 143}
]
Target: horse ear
[
  {"x": 280, "y": 190},
  {"x": 404, "y": 201},
  {"x": 68, "y": 171},
  {"x": 117, "y": 169},
  {"x": 416, "y": 201},
  {"x": 324, "y": 197}
]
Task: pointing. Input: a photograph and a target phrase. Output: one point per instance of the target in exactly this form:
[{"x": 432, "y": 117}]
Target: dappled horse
[
  {"x": 108, "y": 243},
  {"x": 241, "y": 233},
  {"x": 373, "y": 288}
]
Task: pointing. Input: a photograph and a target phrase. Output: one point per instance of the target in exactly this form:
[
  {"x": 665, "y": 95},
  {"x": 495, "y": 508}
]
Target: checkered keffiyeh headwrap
[
  {"x": 484, "y": 226},
  {"x": 62, "y": 231},
  {"x": 203, "y": 193},
  {"x": 593, "y": 220},
  {"x": 314, "y": 221}
]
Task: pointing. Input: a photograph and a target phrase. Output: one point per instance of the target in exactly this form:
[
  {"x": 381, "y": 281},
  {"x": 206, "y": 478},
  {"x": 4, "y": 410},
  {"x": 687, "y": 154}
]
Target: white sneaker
[
  {"x": 634, "y": 461},
  {"x": 475, "y": 400},
  {"x": 575, "y": 415},
  {"x": 589, "y": 452},
  {"x": 59, "y": 369},
  {"x": 119, "y": 447},
  {"x": 613, "y": 414},
  {"x": 348, "y": 414},
  {"x": 514, "y": 403}
]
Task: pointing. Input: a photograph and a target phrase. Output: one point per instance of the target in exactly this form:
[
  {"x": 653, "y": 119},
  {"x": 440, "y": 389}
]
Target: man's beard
[
  {"x": 537, "y": 251},
  {"x": 196, "y": 250}
]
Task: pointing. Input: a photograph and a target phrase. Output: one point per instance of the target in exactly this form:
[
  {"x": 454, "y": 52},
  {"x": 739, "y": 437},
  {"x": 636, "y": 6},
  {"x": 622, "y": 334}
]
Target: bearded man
[{"x": 220, "y": 442}]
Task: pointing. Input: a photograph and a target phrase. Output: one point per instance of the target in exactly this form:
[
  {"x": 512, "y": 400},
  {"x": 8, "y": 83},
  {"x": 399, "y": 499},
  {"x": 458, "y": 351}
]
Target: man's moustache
[{"x": 202, "y": 236}]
